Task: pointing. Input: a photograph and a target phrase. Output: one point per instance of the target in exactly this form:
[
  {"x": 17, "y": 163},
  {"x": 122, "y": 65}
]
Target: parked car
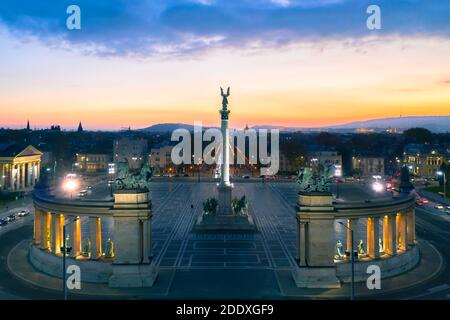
[
  {"x": 439, "y": 207},
  {"x": 425, "y": 200},
  {"x": 3, "y": 222},
  {"x": 82, "y": 193},
  {"x": 419, "y": 202},
  {"x": 11, "y": 217},
  {"x": 23, "y": 213}
]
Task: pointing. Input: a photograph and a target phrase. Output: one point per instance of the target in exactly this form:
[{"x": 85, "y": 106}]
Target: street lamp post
[
  {"x": 64, "y": 249},
  {"x": 442, "y": 173},
  {"x": 337, "y": 174},
  {"x": 199, "y": 162},
  {"x": 352, "y": 255}
]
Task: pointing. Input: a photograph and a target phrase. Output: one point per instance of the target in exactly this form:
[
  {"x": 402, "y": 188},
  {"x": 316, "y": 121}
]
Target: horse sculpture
[
  {"x": 310, "y": 182},
  {"x": 128, "y": 180}
]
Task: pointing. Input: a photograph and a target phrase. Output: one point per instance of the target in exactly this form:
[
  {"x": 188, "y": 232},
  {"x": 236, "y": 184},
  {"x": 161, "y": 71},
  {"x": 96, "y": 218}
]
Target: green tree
[
  {"x": 446, "y": 170},
  {"x": 418, "y": 135}
]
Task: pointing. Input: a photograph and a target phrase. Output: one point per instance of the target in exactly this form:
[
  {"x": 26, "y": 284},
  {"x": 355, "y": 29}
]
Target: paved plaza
[{"x": 271, "y": 247}]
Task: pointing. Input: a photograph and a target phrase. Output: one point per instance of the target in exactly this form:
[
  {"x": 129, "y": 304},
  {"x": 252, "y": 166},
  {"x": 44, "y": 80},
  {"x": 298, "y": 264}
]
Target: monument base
[
  {"x": 224, "y": 207},
  {"x": 133, "y": 276},
  {"x": 315, "y": 277},
  {"x": 228, "y": 222}
]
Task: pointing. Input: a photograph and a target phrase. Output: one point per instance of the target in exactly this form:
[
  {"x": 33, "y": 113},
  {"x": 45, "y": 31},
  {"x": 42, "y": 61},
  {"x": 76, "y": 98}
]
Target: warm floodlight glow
[
  {"x": 70, "y": 185},
  {"x": 377, "y": 187},
  {"x": 337, "y": 171}
]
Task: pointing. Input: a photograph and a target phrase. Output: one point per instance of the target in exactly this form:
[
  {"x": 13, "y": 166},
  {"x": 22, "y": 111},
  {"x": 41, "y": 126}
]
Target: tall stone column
[
  {"x": 352, "y": 224},
  {"x": 411, "y": 227},
  {"x": 95, "y": 227},
  {"x": 45, "y": 230},
  {"x": 37, "y": 227},
  {"x": 224, "y": 187},
  {"x": 373, "y": 230}
]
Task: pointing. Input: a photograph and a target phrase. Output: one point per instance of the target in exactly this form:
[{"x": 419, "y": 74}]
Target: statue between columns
[
  {"x": 361, "y": 251},
  {"x": 86, "y": 252},
  {"x": 380, "y": 245},
  {"x": 109, "y": 252},
  {"x": 340, "y": 255}
]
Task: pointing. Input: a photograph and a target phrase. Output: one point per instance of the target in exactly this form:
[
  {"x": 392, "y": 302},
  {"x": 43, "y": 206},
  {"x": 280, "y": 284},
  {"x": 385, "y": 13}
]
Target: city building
[
  {"x": 19, "y": 167},
  {"x": 134, "y": 151},
  {"x": 161, "y": 159},
  {"x": 326, "y": 157},
  {"x": 286, "y": 166},
  {"x": 366, "y": 166},
  {"x": 424, "y": 160},
  {"x": 92, "y": 162}
]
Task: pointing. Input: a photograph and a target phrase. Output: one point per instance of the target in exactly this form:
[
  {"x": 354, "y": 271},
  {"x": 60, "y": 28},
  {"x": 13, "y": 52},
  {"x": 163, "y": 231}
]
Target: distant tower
[
  {"x": 28, "y": 125},
  {"x": 80, "y": 127}
]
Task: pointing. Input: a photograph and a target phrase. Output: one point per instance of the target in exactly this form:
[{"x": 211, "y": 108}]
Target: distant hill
[
  {"x": 167, "y": 127},
  {"x": 432, "y": 123}
]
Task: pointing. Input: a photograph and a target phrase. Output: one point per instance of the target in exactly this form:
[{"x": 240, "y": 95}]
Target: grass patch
[
  {"x": 439, "y": 189},
  {"x": 8, "y": 197}
]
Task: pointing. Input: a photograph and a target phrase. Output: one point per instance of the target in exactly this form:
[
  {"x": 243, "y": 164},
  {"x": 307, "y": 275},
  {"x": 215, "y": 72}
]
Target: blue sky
[
  {"x": 146, "y": 27},
  {"x": 288, "y": 62}
]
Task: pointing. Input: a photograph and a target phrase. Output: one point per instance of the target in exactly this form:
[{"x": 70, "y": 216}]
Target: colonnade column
[
  {"x": 390, "y": 234},
  {"x": 147, "y": 240},
  {"x": 46, "y": 222},
  {"x": 33, "y": 173},
  {"x": 22, "y": 176},
  {"x": 373, "y": 231},
  {"x": 37, "y": 227},
  {"x": 76, "y": 236},
  {"x": 57, "y": 232},
  {"x": 12, "y": 177},
  {"x": 3, "y": 176},
  {"x": 402, "y": 232},
  {"x": 96, "y": 237},
  {"x": 302, "y": 248},
  {"x": 352, "y": 224},
  {"x": 38, "y": 171},
  {"x": 411, "y": 226}
]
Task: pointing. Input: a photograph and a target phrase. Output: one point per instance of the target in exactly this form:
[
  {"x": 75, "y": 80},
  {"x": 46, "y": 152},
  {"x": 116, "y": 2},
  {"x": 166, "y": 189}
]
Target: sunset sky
[{"x": 288, "y": 62}]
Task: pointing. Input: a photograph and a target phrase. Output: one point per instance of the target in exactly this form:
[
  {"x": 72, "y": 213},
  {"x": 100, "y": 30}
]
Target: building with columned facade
[{"x": 19, "y": 167}]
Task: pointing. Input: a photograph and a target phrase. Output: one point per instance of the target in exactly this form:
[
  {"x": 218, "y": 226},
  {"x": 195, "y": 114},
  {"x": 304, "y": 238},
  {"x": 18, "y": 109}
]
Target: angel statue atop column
[{"x": 225, "y": 97}]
